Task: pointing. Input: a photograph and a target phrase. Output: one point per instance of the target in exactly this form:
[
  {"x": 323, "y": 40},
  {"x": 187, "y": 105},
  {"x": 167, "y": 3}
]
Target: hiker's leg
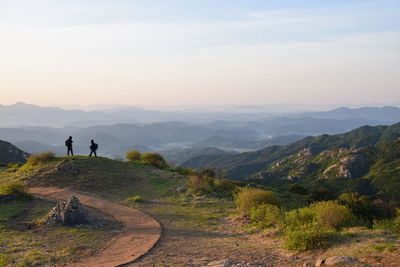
[
  {"x": 95, "y": 153},
  {"x": 90, "y": 153}
]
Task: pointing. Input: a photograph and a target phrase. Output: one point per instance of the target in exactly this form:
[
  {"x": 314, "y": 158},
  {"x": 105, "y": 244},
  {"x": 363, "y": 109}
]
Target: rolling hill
[
  {"x": 245, "y": 164},
  {"x": 11, "y": 154}
]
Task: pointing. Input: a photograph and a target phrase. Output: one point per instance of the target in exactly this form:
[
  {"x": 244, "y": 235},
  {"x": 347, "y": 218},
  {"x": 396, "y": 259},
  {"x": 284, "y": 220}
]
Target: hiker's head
[
  {"x": 92, "y": 141},
  {"x": 70, "y": 137}
]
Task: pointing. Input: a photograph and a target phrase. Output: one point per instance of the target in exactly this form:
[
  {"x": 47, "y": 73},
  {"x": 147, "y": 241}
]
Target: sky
[{"x": 199, "y": 52}]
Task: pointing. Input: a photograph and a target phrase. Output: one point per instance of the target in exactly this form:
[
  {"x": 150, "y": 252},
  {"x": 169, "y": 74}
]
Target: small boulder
[
  {"x": 336, "y": 260},
  {"x": 69, "y": 213},
  {"x": 221, "y": 263}
]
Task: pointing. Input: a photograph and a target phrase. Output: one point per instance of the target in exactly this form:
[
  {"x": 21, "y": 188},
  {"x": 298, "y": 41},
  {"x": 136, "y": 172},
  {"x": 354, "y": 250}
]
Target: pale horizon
[{"x": 154, "y": 53}]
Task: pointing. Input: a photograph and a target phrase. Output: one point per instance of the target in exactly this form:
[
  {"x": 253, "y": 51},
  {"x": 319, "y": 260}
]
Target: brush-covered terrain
[
  {"x": 220, "y": 219},
  {"x": 244, "y": 165}
]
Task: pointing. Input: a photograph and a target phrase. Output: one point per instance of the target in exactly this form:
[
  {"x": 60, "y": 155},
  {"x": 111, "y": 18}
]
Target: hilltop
[{"x": 207, "y": 221}]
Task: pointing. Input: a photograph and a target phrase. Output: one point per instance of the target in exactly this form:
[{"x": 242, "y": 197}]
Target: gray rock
[
  {"x": 69, "y": 213},
  {"x": 336, "y": 260}
]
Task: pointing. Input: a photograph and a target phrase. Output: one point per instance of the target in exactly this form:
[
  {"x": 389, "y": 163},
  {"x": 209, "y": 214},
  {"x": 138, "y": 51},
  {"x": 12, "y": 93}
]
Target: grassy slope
[
  {"x": 202, "y": 222},
  {"x": 26, "y": 242}
]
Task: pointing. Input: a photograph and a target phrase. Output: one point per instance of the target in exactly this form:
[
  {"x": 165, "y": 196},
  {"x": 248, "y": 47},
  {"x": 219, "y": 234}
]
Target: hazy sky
[{"x": 173, "y": 52}]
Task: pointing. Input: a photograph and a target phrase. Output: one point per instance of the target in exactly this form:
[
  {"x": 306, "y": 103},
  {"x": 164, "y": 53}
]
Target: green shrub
[
  {"x": 16, "y": 188},
  {"x": 200, "y": 184},
  {"x": 367, "y": 210},
  {"x": 154, "y": 159},
  {"x": 133, "y": 155},
  {"x": 300, "y": 218},
  {"x": 325, "y": 214},
  {"x": 40, "y": 158},
  {"x": 267, "y": 215},
  {"x": 208, "y": 185},
  {"x": 309, "y": 239},
  {"x": 332, "y": 214},
  {"x": 224, "y": 187},
  {"x": 389, "y": 225},
  {"x": 247, "y": 198}
]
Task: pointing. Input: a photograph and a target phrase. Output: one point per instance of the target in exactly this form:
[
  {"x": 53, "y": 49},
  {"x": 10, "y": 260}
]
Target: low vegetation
[
  {"x": 154, "y": 159},
  {"x": 315, "y": 226},
  {"x": 133, "y": 155},
  {"x": 248, "y": 198},
  {"x": 40, "y": 158},
  {"x": 15, "y": 188}
]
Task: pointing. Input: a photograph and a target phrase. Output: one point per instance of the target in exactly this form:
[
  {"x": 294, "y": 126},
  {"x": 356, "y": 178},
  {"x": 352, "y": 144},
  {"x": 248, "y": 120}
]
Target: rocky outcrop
[
  {"x": 69, "y": 213},
  {"x": 339, "y": 261},
  {"x": 67, "y": 168},
  {"x": 347, "y": 167}
]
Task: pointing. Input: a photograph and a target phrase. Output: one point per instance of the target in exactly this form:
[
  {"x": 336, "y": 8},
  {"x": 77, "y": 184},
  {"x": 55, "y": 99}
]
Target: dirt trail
[{"x": 141, "y": 232}]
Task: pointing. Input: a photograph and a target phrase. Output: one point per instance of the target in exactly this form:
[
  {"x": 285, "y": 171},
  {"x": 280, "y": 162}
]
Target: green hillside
[
  {"x": 11, "y": 154},
  {"x": 368, "y": 171},
  {"x": 246, "y": 164}
]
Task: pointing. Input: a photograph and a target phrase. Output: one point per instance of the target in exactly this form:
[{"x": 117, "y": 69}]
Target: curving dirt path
[{"x": 141, "y": 232}]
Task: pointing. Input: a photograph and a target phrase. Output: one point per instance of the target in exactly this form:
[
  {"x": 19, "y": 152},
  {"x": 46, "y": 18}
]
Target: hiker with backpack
[
  {"x": 68, "y": 144},
  {"x": 93, "y": 148}
]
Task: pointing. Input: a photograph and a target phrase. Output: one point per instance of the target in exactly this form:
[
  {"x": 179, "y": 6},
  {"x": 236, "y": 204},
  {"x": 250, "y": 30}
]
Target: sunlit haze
[{"x": 199, "y": 52}]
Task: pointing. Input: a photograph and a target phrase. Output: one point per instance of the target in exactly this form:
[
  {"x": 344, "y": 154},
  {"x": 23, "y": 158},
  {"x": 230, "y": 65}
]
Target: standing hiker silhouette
[
  {"x": 93, "y": 148},
  {"x": 68, "y": 144}
]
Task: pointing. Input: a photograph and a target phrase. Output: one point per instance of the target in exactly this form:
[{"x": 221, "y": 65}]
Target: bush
[
  {"x": 389, "y": 225},
  {"x": 208, "y": 185},
  {"x": 324, "y": 214},
  {"x": 368, "y": 210},
  {"x": 133, "y": 155},
  {"x": 308, "y": 239},
  {"x": 40, "y": 158},
  {"x": 267, "y": 215},
  {"x": 247, "y": 198},
  {"x": 16, "y": 188},
  {"x": 224, "y": 187},
  {"x": 154, "y": 159},
  {"x": 299, "y": 219},
  {"x": 200, "y": 184},
  {"x": 332, "y": 214}
]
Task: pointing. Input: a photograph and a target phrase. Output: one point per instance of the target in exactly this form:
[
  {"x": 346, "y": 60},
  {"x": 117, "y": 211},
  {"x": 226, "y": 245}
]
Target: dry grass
[{"x": 40, "y": 158}]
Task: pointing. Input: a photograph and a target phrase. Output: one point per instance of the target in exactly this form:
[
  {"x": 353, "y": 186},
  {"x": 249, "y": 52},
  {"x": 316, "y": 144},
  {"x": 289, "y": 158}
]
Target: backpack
[
  {"x": 67, "y": 142},
  {"x": 96, "y": 146}
]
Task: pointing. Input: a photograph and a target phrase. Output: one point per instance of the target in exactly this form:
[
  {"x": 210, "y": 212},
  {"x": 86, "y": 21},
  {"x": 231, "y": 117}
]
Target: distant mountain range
[
  {"x": 192, "y": 133},
  {"x": 22, "y": 114}
]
